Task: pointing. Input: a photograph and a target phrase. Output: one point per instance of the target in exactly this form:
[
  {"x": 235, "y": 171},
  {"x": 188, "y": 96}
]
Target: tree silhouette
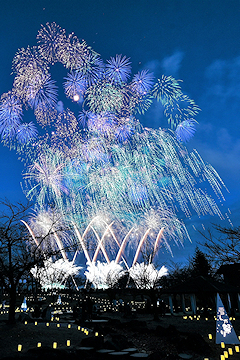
[
  {"x": 222, "y": 244},
  {"x": 200, "y": 265},
  {"x": 17, "y": 257}
]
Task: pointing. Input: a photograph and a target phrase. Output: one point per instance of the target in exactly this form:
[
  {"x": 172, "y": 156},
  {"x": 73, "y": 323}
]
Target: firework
[
  {"x": 166, "y": 88},
  {"x": 118, "y": 69},
  {"x": 185, "y": 130},
  {"x": 142, "y": 82},
  {"x": 75, "y": 84},
  {"x": 146, "y": 276},
  {"x": 26, "y": 132},
  {"x": 52, "y": 39},
  {"x": 10, "y": 115},
  {"x": 103, "y": 275},
  {"x": 41, "y": 92},
  {"x": 104, "y": 96},
  {"x": 53, "y": 275},
  {"x": 118, "y": 186}
]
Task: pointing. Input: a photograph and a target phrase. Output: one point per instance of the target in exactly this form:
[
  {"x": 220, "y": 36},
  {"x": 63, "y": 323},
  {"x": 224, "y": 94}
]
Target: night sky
[{"x": 196, "y": 41}]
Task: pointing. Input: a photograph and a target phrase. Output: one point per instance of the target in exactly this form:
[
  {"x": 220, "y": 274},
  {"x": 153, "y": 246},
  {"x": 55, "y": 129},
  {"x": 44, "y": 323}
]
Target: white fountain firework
[
  {"x": 146, "y": 276},
  {"x": 104, "y": 275},
  {"x": 54, "y": 274}
]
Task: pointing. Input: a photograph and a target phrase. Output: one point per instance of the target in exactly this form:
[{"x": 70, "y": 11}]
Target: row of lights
[
  {"x": 39, "y": 344},
  {"x": 68, "y": 342},
  {"x": 197, "y": 317},
  {"x": 228, "y": 351}
]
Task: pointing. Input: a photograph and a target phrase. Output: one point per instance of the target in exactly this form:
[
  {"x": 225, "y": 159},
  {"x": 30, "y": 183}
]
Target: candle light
[{"x": 226, "y": 354}]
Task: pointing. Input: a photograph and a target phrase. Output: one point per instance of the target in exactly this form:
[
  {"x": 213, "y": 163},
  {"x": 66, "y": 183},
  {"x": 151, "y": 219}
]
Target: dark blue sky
[{"x": 196, "y": 41}]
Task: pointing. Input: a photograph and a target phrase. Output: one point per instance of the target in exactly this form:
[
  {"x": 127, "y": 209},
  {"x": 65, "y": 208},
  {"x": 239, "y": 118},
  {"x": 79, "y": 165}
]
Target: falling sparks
[{"x": 102, "y": 163}]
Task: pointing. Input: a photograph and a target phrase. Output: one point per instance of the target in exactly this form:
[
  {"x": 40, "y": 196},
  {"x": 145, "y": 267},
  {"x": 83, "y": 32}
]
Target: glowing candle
[
  {"x": 96, "y": 333},
  {"x": 210, "y": 336},
  {"x": 19, "y": 347},
  {"x": 68, "y": 342},
  {"x": 79, "y": 327},
  {"x": 225, "y": 354},
  {"x": 47, "y": 324},
  {"x": 54, "y": 345},
  {"x": 35, "y": 322},
  {"x": 39, "y": 344},
  {"x": 69, "y": 326}
]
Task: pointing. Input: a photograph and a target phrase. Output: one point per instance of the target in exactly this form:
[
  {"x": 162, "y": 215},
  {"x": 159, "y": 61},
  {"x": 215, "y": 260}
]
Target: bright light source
[{"x": 76, "y": 97}]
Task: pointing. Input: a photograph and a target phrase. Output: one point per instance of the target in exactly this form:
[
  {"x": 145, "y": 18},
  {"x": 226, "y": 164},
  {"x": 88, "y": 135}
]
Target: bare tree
[
  {"x": 222, "y": 244},
  {"x": 17, "y": 256}
]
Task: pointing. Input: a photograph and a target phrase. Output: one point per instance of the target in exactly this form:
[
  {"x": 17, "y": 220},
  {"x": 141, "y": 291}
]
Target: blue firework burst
[
  {"x": 186, "y": 130},
  {"x": 142, "y": 82},
  {"x": 26, "y": 133},
  {"x": 42, "y": 92},
  {"x": 124, "y": 132},
  {"x": 118, "y": 69},
  {"x": 94, "y": 70},
  {"x": 83, "y": 118},
  {"x": 103, "y": 123},
  {"x": 10, "y": 115},
  {"x": 75, "y": 84}
]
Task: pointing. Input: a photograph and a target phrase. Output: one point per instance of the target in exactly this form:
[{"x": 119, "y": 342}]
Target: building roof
[{"x": 229, "y": 269}]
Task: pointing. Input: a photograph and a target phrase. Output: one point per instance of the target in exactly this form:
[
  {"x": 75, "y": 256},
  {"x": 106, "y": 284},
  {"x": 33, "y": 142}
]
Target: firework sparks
[{"x": 104, "y": 161}]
